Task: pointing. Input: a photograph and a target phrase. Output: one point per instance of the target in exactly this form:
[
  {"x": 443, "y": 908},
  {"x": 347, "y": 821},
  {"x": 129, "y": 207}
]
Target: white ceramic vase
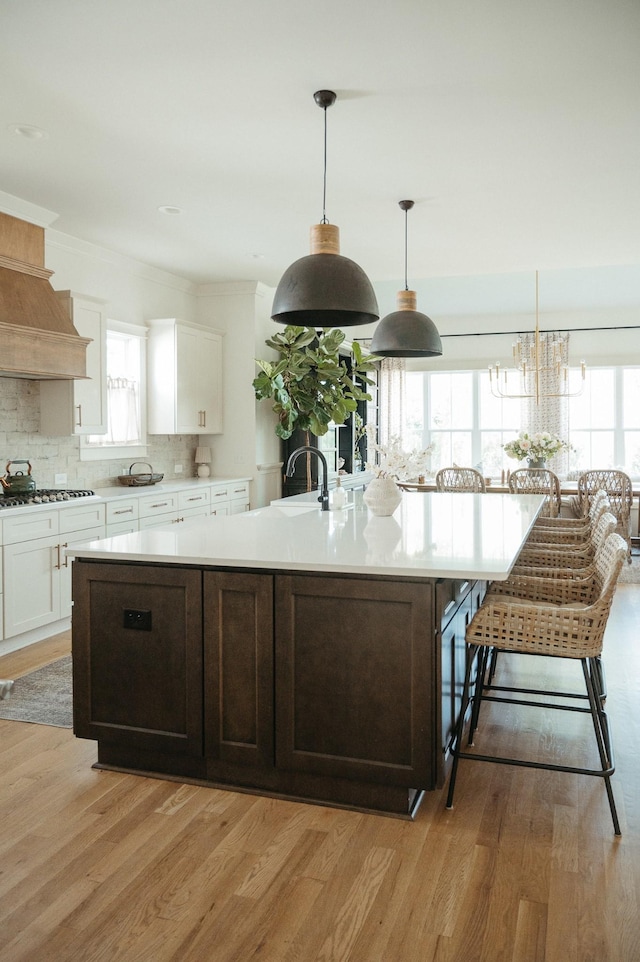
[{"x": 382, "y": 497}]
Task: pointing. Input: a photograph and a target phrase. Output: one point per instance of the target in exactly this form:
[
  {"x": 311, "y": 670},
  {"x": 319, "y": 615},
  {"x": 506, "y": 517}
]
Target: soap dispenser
[{"x": 339, "y": 495}]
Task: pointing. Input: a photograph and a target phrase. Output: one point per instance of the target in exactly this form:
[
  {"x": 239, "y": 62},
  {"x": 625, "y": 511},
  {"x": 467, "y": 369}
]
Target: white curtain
[
  {"x": 123, "y": 411},
  {"x": 392, "y": 387}
]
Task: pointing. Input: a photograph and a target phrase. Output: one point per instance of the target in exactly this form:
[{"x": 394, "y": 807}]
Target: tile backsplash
[{"x": 20, "y": 438}]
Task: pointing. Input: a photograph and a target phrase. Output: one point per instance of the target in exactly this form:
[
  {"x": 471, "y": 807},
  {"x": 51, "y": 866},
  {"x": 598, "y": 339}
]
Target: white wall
[{"x": 248, "y": 445}]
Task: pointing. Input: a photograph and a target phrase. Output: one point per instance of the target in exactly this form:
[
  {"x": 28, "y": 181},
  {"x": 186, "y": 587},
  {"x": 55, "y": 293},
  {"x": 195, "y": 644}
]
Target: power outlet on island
[{"x": 136, "y": 619}]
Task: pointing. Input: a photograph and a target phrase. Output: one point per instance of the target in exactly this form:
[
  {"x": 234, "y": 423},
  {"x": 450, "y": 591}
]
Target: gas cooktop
[{"x": 43, "y": 496}]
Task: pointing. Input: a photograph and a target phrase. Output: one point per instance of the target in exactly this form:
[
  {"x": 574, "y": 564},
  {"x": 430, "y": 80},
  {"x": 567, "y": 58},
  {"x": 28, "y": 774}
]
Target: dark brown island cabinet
[{"x": 341, "y": 690}]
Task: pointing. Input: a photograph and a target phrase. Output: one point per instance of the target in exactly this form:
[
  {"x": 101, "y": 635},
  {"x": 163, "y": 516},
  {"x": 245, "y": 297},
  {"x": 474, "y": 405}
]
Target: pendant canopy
[
  {"x": 406, "y": 332},
  {"x": 325, "y": 289}
]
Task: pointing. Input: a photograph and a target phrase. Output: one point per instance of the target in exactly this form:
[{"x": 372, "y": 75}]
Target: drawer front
[
  {"x": 239, "y": 490},
  {"x": 30, "y": 525},
  {"x": 194, "y": 499},
  {"x": 122, "y": 527},
  {"x": 220, "y": 492},
  {"x": 151, "y": 505},
  {"x": 119, "y": 511},
  {"x": 81, "y": 516},
  {"x": 157, "y": 521}
]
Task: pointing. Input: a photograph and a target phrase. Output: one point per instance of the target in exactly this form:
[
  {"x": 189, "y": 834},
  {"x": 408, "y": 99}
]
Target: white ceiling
[{"x": 515, "y": 128}]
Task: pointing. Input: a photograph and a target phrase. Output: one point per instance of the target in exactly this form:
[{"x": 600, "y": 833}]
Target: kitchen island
[{"x": 289, "y": 651}]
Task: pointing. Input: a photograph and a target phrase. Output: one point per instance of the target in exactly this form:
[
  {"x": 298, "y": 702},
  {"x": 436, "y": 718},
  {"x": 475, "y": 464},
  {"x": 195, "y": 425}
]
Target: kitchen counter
[
  {"x": 310, "y": 655},
  {"x": 435, "y": 535},
  {"x": 113, "y": 492}
]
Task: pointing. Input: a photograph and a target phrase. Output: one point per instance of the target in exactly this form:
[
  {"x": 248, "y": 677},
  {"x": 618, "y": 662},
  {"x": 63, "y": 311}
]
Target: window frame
[
  {"x": 618, "y": 428},
  {"x": 112, "y": 452}
]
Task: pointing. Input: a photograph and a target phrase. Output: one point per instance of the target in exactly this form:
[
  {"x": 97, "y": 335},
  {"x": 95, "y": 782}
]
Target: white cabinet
[
  {"x": 79, "y": 406},
  {"x": 122, "y": 516},
  {"x": 173, "y": 508},
  {"x": 184, "y": 378},
  {"x": 36, "y": 574},
  {"x": 239, "y": 497}
]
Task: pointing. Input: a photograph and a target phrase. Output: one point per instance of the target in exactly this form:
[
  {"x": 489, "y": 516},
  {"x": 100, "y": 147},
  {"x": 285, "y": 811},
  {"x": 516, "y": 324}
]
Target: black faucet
[{"x": 324, "y": 490}]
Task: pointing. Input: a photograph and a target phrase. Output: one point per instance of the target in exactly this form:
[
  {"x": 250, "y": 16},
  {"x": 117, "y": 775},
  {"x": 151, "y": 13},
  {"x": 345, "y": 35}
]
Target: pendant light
[
  {"x": 325, "y": 289},
  {"x": 406, "y": 332}
]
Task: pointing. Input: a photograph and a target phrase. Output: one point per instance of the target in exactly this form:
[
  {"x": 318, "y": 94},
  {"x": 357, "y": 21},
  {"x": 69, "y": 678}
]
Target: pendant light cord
[
  {"x": 324, "y": 179},
  {"x": 406, "y": 246}
]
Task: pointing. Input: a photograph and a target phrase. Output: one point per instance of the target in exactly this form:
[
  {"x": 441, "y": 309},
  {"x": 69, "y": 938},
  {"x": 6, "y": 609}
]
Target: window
[
  {"x": 604, "y": 421},
  {"x": 456, "y": 411},
  {"x": 126, "y": 409}
]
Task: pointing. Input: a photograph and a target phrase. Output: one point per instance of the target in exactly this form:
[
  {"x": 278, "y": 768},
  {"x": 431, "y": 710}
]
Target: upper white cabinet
[
  {"x": 79, "y": 406},
  {"x": 184, "y": 378}
]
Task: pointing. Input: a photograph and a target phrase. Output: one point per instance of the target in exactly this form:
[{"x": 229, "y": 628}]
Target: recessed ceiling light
[
  {"x": 29, "y": 132},
  {"x": 170, "y": 210}
]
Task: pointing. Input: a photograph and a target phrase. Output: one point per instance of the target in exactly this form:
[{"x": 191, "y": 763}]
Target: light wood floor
[{"x": 104, "y": 866}]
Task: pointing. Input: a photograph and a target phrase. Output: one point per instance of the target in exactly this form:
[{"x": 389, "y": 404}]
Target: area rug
[{"x": 43, "y": 697}]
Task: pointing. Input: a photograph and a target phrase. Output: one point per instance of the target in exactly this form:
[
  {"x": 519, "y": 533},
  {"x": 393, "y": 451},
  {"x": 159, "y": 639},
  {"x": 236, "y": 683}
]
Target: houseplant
[
  {"x": 536, "y": 448},
  {"x": 310, "y": 383}
]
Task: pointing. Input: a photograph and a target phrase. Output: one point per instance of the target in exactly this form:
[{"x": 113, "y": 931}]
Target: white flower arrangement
[
  {"x": 393, "y": 462},
  {"x": 539, "y": 446}
]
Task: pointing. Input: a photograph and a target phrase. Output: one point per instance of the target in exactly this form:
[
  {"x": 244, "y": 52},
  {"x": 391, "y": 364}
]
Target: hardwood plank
[{"x": 102, "y": 865}]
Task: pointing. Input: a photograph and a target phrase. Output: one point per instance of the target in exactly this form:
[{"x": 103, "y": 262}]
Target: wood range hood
[{"x": 37, "y": 338}]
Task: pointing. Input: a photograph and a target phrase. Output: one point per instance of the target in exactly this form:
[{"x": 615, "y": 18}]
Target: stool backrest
[
  {"x": 538, "y": 481},
  {"x": 617, "y": 486},
  {"x": 460, "y": 479}
]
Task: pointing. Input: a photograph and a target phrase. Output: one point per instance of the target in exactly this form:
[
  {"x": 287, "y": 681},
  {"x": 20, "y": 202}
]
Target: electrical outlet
[
  {"x": 177, "y": 468},
  {"x": 136, "y": 619},
  {"x": 60, "y": 479}
]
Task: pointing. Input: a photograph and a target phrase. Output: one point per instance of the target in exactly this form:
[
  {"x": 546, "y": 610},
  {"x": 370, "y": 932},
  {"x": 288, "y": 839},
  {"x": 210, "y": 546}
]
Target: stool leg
[
  {"x": 603, "y": 738},
  {"x": 457, "y": 742}
]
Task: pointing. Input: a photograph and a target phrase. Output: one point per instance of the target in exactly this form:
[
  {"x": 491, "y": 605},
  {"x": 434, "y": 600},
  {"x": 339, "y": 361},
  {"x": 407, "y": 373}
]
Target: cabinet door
[
  {"x": 198, "y": 382},
  {"x": 79, "y": 406},
  {"x": 188, "y": 400},
  {"x": 238, "y": 658},
  {"x": 355, "y": 679},
  {"x": 137, "y": 657},
  {"x": 90, "y": 396},
  {"x": 31, "y": 584}
]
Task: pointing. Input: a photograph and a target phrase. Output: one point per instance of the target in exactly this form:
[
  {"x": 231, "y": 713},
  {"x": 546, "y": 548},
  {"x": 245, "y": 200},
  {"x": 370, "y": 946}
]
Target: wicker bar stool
[
  {"x": 460, "y": 479},
  {"x": 568, "y": 530},
  {"x": 571, "y": 555},
  {"x": 560, "y": 586},
  {"x": 538, "y": 481},
  {"x": 618, "y": 486},
  {"x": 569, "y": 631}
]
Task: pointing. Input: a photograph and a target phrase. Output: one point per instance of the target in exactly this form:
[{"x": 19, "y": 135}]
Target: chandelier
[{"x": 541, "y": 361}]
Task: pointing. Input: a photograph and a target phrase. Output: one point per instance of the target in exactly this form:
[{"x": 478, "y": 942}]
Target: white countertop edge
[{"x": 312, "y": 541}]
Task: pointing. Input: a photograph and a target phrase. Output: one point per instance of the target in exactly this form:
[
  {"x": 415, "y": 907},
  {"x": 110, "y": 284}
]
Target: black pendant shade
[
  {"x": 325, "y": 289},
  {"x": 406, "y": 332}
]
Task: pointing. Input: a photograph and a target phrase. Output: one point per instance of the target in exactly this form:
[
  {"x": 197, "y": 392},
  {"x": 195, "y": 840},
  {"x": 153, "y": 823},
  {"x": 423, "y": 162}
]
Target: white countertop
[
  {"x": 117, "y": 491},
  {"x": 175, "y": 484},
  {"x": 430, "y": 535}
]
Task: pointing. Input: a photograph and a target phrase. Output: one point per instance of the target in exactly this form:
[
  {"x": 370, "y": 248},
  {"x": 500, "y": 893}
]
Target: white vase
[{"x": 382, "y": 497}]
